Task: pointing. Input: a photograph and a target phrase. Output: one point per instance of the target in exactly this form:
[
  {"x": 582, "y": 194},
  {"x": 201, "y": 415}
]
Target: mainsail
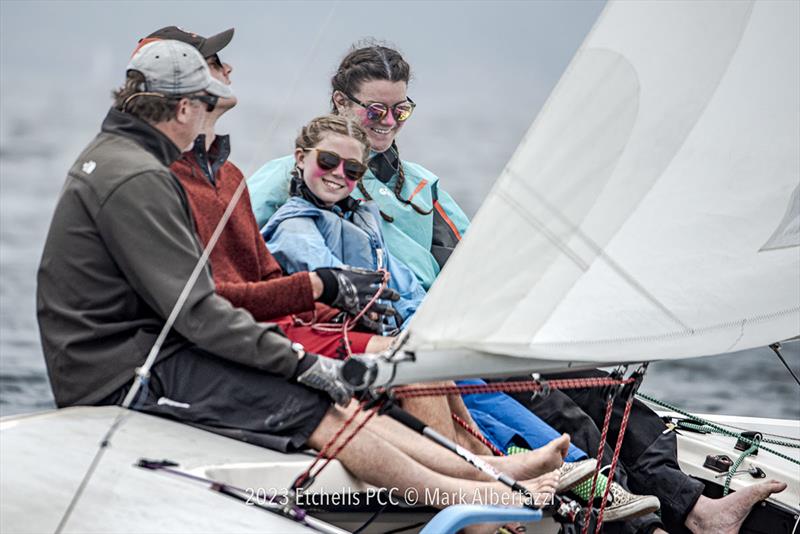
[{"x": 651, "y": 211}]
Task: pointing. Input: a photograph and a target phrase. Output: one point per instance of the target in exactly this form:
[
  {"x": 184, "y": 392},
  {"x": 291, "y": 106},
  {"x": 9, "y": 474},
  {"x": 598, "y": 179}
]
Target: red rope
[
  {"x": 348, "y": 325},
  {"x": 600, "y": 447},
  {"x": 369, "y": 416},
  {"x": 351, "y": 322},
  {"x": 304, "y": 476},
  {"x": 614, "y": 459},
  {"x": 403, "y": 392},
  {"x": 477, "y": 435}
]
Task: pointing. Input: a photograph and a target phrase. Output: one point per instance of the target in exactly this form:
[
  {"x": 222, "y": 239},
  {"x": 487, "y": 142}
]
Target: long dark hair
[{"x": 367, "y": 63}]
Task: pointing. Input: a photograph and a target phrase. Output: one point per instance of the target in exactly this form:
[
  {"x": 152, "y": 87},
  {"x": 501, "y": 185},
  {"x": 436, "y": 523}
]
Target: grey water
[{"x": 481, "y": 72}]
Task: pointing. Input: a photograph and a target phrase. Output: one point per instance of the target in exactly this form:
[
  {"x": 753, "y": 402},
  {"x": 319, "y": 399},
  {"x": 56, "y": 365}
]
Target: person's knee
[
  {"x": 379, "y": 343},
  {"x": 331, "y": 422}
]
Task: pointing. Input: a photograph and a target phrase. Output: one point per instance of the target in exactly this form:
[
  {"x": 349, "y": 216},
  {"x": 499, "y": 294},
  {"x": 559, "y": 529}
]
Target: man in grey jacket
[
  {"x": 119, "y": 251},
  {"x": 122, "y": 245}
]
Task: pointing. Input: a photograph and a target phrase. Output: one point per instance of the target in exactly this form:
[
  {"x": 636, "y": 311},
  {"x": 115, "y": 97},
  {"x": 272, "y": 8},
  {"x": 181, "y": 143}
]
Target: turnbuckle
[
  {"x": 629, "y": 390},
  {"x": 610, "y": 391},
  {"x": 544, "y": 387}
]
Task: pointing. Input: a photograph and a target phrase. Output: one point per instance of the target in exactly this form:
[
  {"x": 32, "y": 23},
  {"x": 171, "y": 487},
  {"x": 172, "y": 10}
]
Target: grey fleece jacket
[{"x": 120, "y": 248}]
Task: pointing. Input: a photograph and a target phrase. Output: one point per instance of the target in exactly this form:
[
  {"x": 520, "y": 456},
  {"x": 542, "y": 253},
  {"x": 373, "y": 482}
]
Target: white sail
[{"x": 650, "y": 212}]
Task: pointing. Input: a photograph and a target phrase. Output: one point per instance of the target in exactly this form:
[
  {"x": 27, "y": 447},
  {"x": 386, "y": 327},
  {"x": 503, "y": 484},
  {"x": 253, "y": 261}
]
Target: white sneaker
[
  {"x": 625, "y": 505},
  {"x": 573, "y": 473}
]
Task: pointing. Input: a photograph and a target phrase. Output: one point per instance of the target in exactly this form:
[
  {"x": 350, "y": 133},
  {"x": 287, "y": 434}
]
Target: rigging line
[
  {"x": 722, "y": 430},
  {"x": 776, "y": 348},
  {"x": 597, "y": 249},
  {"x": 299, "y": 73},
  {"x": 143, "y": 372}
]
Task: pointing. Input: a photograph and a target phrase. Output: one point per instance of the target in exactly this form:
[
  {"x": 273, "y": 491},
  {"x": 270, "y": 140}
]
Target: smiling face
[
  {"x": 381, "y": 133},
  {"x": 329, "y": 186}
]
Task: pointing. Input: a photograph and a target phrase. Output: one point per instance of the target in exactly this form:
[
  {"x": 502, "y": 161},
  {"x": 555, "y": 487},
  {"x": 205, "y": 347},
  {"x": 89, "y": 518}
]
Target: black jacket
[{"x": 120, "y": 248}]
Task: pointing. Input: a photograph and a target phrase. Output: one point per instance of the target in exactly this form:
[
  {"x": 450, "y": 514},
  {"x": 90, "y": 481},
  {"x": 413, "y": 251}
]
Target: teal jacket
[{"x": 414, "y": 239}]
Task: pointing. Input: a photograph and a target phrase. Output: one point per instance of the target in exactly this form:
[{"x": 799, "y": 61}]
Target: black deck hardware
[
  {"x": 719, "y": 463},
  {"x": 743, "y": 445}
]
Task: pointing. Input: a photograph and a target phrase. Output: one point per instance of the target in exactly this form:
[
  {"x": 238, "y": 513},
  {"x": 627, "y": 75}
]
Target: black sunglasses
[
  {"x": 327, "y": 161},
  {"x": 215, "y": 60},
  {"x": 209, "y": 100},
  {"x": 376, "y": 111}
]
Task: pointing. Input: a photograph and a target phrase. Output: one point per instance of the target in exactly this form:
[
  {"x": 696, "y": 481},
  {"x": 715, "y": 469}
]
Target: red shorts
[{"x": 330, "y": 344}]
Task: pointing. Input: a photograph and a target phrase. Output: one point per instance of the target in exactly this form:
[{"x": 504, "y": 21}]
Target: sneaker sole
[
  {"x": 576, "y": 476},
  {"x": 646, "y": 505}
]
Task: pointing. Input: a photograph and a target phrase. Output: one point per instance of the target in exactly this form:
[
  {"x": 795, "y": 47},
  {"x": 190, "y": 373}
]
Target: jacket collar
[
  {"x": 218, "y": 152},
  {"x": 211, "y": 160},
  {"x": 298, "y": 188},
  {"x": 124, "y": 124},
  {"x": 384, "y": 165}
]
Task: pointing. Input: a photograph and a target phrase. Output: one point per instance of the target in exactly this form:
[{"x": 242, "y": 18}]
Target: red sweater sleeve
[
  {"x": 270, "y": 299},
  {"x": 244, "y": 271},
  {"x": 274, "y": 295}
]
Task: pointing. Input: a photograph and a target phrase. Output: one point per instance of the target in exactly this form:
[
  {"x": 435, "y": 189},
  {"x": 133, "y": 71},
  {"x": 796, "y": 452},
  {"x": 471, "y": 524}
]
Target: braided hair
[{"x": 367, "y": 63}]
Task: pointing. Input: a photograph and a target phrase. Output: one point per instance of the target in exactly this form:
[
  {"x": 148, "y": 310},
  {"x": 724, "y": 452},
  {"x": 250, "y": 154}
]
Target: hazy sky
[{"x": 481, "y": 69}]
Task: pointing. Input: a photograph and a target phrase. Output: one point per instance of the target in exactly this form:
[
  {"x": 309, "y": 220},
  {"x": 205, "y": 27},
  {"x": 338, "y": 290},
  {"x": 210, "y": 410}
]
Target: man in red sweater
[{"x": 244, "y": 271}]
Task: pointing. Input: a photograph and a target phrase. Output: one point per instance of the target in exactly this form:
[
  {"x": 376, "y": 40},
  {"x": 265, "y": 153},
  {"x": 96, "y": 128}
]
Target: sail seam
[
  {"x": 678, "y": 334},
  {"x": 540, "y": 226},
  {"x": 598, "y": 250}
]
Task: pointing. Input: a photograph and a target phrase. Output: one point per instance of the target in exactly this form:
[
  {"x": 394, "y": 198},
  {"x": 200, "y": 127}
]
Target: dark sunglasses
[
  {"x": 376, "y": 111},
  {"x": 215, "y": 60},
  {"x": 209, "y": 100},
  {"x": 327, "y": 161}
]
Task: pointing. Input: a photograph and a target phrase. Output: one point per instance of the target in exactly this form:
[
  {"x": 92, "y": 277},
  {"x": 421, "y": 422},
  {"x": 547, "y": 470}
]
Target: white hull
[{"x": 44, "y": 457}]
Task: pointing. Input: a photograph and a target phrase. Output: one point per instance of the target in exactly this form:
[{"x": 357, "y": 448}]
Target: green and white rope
[
  {"x": 735, "y": 467},
  {"x": 721, "y": 430}
]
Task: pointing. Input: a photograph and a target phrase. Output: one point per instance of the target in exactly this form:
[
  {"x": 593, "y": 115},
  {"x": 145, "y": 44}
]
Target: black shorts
[{"x": 209, "y": 392}]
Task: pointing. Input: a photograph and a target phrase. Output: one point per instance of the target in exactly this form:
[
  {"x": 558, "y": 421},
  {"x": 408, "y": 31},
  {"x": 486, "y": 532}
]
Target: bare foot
[
  {"x": 544, "y": 486},
  {"x": 726, "y": 515},
  {"x": 529, "y": 465}
]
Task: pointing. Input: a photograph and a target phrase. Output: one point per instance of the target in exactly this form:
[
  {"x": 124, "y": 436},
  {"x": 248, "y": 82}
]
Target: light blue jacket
[
  {"x": 303, "y": 237},
  {"x": 409, "y": 237}
]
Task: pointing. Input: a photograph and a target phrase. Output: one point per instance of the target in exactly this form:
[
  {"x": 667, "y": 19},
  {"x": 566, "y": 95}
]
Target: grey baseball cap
[{"x": 175, "y": 68}]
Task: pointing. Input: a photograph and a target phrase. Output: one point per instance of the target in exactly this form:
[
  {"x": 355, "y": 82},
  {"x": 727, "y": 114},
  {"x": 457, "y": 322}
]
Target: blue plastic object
[{"x": 454, "y": 518}]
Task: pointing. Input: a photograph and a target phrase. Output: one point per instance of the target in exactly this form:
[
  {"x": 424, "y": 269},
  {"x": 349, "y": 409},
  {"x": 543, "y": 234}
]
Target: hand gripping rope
[{"x": 350, "y": 322}]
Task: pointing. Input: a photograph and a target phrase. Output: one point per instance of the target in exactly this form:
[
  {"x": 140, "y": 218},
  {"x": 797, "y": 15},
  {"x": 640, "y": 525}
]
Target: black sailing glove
[
  {"x": 324, "y": 374},
  {"x": 350, "y": 289}
]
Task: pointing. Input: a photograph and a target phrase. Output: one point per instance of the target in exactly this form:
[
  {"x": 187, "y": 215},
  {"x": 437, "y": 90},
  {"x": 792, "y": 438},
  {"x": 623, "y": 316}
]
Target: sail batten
[{"x": 652, "y": 210}]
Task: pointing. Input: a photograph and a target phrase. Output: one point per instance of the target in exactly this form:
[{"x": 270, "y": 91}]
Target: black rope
[
  {"x": 372, "y": 518},
  {"x": 776, "y": 348}
]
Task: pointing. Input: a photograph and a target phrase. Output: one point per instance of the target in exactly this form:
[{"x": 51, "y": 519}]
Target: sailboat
[{"x": 651, "y": 212}]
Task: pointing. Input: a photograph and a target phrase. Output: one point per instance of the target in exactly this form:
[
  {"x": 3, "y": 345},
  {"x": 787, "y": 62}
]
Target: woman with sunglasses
[
  {"x": 421, "y": 223},
  {"x": 321, "y": 225}
]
